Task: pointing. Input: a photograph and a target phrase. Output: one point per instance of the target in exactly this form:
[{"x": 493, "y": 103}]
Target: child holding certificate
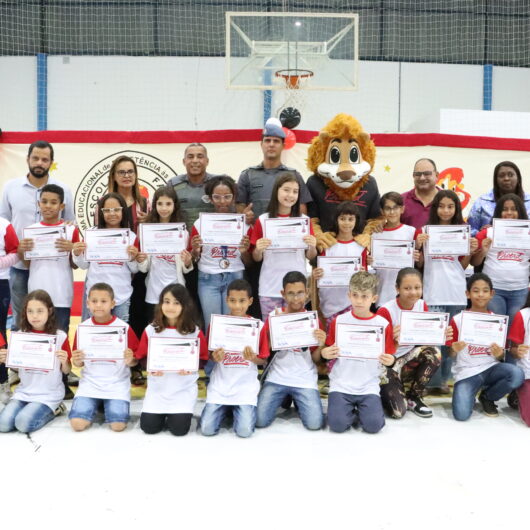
[
  {"x": 478, "y": 367},
  {"x": 394, "y": 230},
  {"x": 520, "y": 339},
  {"x": 292, "y": 370},
  {"x": 171, "y": 393},
  {"x": 111, "y": 213},
  {"x": 444, "y": 275},
  {"x": 50, "y": 266},
  {"x": 334, "y": 300},
  {"x": 219, "y": 264},
  {"x": 164, "y": 269},
  {"x": 284, "y": 203},
  {"x": 234, "y": 380},
  {"x": 508, "y": 267},
  {"x": 414, "y": 364},
  {"x": 38, "y": 397},
  {"x": 104, "y": 347},
  {"x": 359, "y": 343}
]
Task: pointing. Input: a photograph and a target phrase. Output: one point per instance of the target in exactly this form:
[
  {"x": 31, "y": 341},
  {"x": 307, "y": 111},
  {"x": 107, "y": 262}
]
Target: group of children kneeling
[{"x": 360, "y": 389}]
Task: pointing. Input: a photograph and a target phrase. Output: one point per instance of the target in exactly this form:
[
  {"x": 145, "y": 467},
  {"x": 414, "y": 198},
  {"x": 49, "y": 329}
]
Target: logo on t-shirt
[
  {"x": 510, "y": 255},
  {"x": 152, "y": 173},
  {"x": 235, "y": 359}
]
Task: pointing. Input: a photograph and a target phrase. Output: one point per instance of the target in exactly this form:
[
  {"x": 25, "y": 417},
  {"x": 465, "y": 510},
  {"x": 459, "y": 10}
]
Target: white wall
[{"x": 188, "y": 93}]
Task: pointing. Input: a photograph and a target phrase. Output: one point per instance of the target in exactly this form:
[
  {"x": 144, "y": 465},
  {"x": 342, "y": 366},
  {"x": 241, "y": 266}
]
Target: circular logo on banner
[{"x": 152, "y": 173}]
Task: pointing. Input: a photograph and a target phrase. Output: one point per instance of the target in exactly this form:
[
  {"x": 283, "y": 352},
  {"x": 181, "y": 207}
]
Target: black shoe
[
  {"x": 513, "y": 400},
  {"x": 68, "y": 394},
  {"x": 417, "y": 406},
  {"x": 490, "y": 409}
]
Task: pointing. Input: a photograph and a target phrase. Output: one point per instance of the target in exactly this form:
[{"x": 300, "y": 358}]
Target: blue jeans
[
  {"x": 212, "y": 293},
  {"x": 116, "y": 410},
  {"x": 307, "y": 401},
  {"x": 18, "y": 283},
  {"x": 24, "y": 416},
  {"x": 443, "y": 374},
  {"x": 349, "y": 410},
  {"x": 497, "y": 381},
  {"x": 213, "y": 415}
]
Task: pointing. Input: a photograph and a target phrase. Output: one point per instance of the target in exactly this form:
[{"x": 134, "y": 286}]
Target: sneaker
[
  {"x": 513, "y": 400},
  {"x": 490, "y": 409},
  {"x": 419, "y": 408},
  {"x": 61, "y": 409},
  {"x": 5, "y": 393},
  {"x": 68, "y": 394},
  {"x": 12, "y": 377},
  {"x": 73, "y": 379}
]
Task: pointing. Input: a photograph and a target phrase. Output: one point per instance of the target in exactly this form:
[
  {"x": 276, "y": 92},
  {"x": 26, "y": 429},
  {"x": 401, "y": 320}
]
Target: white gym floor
[{"x": 416, "y": 473}]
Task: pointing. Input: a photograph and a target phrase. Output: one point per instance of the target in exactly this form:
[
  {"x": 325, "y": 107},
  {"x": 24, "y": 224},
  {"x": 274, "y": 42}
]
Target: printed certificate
[
  {"x": 44, "y": 238},
  {"x": 293, "y": 330},
  {"x": 392, "y": 254},
  {"x": 107, "y": 244},
  {"x": 448, "y": 240},
  {"x": 222, "y": 228},
  {"x": 172, "y": 354},
  {"x": 102, "y": 342},
  {"x": 233, "y": 333},
  {"x": 31, "y": 350},
  {"x": 337, "y": 271},
  {"x": 286, "y": 232},
  {"x": 483, "y": 329},
  {"x": 422, "y": 328},
  {"x": 163, "y": 238},
  {"x": 359, "y": 341},
  {"x": 511, "y": 234}
]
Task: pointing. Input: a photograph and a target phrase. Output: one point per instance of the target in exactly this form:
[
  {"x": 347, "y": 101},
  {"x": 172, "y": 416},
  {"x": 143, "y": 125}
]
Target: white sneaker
[
  {"x": 61, "y": 409},
  {"x": 5, "y": 393}
]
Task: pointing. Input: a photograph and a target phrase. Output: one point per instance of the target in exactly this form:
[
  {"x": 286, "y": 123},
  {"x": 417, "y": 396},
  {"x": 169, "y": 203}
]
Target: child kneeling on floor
[
  {"x": 354, "y": 393},
  {"x": 106, "y": 375}
]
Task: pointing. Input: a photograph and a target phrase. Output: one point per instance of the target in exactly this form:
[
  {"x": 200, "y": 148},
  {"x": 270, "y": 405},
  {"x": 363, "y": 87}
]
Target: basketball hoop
[{"x": 295, "y": 78}]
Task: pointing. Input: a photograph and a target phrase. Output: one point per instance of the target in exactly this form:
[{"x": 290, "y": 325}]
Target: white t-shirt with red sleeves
[
  {"x": 218, "y": 258},
  {"x": 54, "y": 275},
  {"x": 392, "y": 312},
  {"x": 171, "y": 393},
  {"x": 44, "y": 386},
  {"x": 520, "y": 334},
  {"x": 8, "y": 243},
  {"x": 118, "y": 274},
  {"x": 472, "y": 360},
  {"x": 507, "y": 268},
  {"x": 358, "y": 377},
  {"x": 107, "y": 379},
  {"x": 293, "y": 367},
  {"x": 335, "y": 299},
  {"x": 444, "y": 279},
  {"x": 386, "y": 290},
  {"x": 234, "y": 381},
  {"x": 162, "y": 272},
  {"x": 276, "y": 263}
]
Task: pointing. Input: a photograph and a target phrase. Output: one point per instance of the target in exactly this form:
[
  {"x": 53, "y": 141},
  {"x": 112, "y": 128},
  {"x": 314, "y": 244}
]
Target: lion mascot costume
[{"x": 341, "y": 158}]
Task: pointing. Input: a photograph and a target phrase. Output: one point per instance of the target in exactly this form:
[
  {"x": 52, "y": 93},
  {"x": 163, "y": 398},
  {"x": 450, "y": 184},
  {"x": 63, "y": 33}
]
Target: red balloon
[{"x": 290, "y": 138}]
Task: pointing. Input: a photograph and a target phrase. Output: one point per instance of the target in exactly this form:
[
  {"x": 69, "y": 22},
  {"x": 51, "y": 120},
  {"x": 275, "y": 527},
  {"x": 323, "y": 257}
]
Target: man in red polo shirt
[{"x": 418, "y": 200}]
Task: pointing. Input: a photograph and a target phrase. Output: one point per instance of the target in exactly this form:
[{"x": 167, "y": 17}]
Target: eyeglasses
[
  {"x": 227, "y": 197},
  {"x": 111, "y": 210},
  {"x": 128, "y": 173},
  {"x": 424, "y": 173},
  {"x": 390, "y": 209}
]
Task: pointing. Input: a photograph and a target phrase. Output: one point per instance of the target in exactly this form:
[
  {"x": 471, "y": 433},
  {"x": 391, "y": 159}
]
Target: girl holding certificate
[
  {"x": 171, "y": 395},
  {"x": 478, "y": 367},
  {"x": 111, "y": 213},
  {"x": 520, "y": 339},
  {"x": 334, "y": 300},
  {"x": 284, "y": 203},
  {"x": 508, "y": 267},
  {"x": 164, "y": 269},
  {"x": 219, "y": 264},
  {"x": 444, "y": 275},
  {"x": 415, "y": 364},
  {"x": 38, "y": 397}
]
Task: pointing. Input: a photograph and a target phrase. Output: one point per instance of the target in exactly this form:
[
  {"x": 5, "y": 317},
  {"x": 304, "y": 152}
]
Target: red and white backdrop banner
[{"x": 83, "y": 158}]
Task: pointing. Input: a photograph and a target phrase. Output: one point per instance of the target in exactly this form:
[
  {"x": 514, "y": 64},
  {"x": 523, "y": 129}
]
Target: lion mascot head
[{"x": 342, "y": 155}]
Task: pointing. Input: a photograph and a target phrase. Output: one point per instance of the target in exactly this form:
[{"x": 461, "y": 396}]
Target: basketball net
[{"x": 294, "y": 80}]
